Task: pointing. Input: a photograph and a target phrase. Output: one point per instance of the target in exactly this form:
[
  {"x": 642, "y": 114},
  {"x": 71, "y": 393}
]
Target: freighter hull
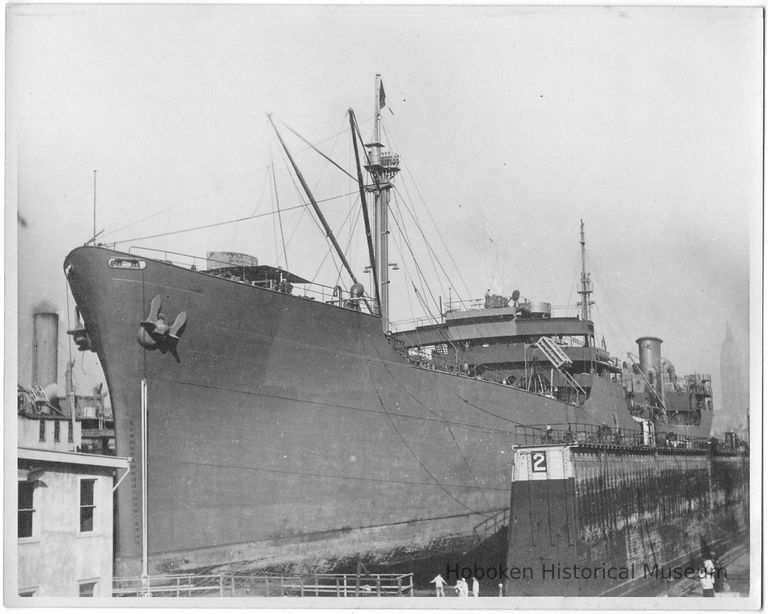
[{"x": 287, "y": 431}]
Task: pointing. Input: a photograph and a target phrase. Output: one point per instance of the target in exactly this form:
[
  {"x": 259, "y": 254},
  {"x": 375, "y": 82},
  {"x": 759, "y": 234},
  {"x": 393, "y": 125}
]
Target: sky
[{"x": 512, "y": 123}]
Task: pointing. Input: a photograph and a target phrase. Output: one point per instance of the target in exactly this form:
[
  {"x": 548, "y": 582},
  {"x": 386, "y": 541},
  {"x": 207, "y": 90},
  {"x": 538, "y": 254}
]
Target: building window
[
  {"x": 87, "y": 589},
  {"x": 26, "y": 509},
  {"x": 42, "y": 430},
  {"x": 87, "y": 506},
  {"x": 56, "y": 430},
  {"x": 70, "y": 434}
]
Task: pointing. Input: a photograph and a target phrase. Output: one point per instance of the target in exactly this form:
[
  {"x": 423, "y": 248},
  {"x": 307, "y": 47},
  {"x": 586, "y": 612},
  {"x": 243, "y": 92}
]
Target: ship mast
[
  {"x": 586, "y": 283},
  {"x": 383, "y": 166}
]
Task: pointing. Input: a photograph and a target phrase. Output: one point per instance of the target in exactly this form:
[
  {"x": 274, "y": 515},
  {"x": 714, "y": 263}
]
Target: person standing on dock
[
  {"x": 707, "y": 583},
  {"x": 720, "y": 577},
  {"x": 475, "y": 587},
  {"x": 439, "y": 583},
  {"x": 462, "y": 588},
  {"x": 709, "y": 566}
]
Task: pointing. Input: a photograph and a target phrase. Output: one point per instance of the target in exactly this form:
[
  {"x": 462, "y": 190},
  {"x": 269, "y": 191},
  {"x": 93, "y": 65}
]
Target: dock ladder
[
  {"x": 490, "y": 525},
  {"x": 559, "y": 359}
]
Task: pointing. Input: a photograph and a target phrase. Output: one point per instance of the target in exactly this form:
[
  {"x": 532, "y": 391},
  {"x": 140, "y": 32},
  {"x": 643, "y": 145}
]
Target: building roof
[{"x": 74, "y": 458}]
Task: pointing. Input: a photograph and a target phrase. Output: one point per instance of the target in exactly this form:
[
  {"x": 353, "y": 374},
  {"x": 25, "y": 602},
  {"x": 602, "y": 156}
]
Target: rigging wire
[
  {"x": 612, "y": 314},
  {"x": 274, "y": 229},
  {"x": 279, "y": 216},
  {"x": 425, "y": 285},
  {"x": 429, "y": 213},
  {"x": 336, "y": 137},
  {"x": 407, "y": 274},
  {"x": 301, "y": 197},
  {"x": 343, "y": 170},
  {"x": 207, "y": 193},
  {"x": 316, "y": 223},
  {"x": 242, "y": 219},
  {"x": 424, "y": 304},
  {"x": 301, "y": 217},
  {"x": 330, "y": 250},
  {"x": 433, "y": 255},
  {"x": 358, "y": 213},
  {"x": 318, "y": 213},
  {"x": 443, "y": 332},
  {"x": 403, "y": 228},
  {"x": 259, "y": 203}
]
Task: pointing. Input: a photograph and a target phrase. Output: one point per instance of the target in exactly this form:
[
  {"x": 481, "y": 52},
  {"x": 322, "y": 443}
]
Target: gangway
[{"x": 559, "y": 359}]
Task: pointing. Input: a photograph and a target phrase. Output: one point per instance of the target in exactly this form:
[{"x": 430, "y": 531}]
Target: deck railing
[
  {"x": 496, "y": 301},
  {"x": 593, "y": 434},
  {"x": 243, "y": 585},
  {"x": 335, "y": 295}
]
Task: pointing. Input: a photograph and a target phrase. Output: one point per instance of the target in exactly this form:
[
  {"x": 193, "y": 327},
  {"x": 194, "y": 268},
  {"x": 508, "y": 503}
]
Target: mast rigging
[
  {"x": 315, "y": 206},
  {"x": 315, "y": 149},
  {"x": 279, "y": 216}
]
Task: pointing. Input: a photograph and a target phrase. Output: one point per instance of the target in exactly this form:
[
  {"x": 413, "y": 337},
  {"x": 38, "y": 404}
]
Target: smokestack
[
  {"x": 649, "y": 349},
  {"x": 46, "y": 349}
]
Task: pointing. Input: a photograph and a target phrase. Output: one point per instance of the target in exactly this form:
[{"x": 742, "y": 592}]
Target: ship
[{"x": 279, "y": 424}]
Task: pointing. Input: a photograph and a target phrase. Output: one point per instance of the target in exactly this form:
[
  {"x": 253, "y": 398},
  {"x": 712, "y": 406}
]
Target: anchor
[
  {"x": 80, "y": 334},
  {"x": 156, "y": 334}
]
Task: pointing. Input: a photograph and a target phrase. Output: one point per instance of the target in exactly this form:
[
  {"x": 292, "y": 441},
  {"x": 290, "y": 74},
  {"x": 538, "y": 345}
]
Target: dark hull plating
[{"x": 286, "y": 431}]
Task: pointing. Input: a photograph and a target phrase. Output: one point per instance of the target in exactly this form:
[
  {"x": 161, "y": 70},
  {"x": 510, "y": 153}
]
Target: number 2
[{"x": 538, "y": 461}]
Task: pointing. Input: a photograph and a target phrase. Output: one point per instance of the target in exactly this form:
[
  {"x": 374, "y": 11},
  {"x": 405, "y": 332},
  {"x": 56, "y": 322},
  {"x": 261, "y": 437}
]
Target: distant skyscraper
[{"x": 733, "y": 412}]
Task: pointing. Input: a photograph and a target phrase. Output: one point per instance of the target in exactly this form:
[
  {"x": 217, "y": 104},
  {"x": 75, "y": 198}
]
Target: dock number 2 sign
[{"x": 539, "y": 461}]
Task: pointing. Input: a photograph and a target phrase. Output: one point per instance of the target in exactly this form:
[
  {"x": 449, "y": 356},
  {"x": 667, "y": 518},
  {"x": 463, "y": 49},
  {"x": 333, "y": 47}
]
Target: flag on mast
[{"x": 382, "y": 96}]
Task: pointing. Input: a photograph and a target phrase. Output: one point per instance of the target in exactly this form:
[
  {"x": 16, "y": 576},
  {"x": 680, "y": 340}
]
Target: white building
[{"x": 65, "y": 513}]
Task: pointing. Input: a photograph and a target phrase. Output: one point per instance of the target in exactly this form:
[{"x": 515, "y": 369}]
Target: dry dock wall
[{"x": 589, "y": 520}]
